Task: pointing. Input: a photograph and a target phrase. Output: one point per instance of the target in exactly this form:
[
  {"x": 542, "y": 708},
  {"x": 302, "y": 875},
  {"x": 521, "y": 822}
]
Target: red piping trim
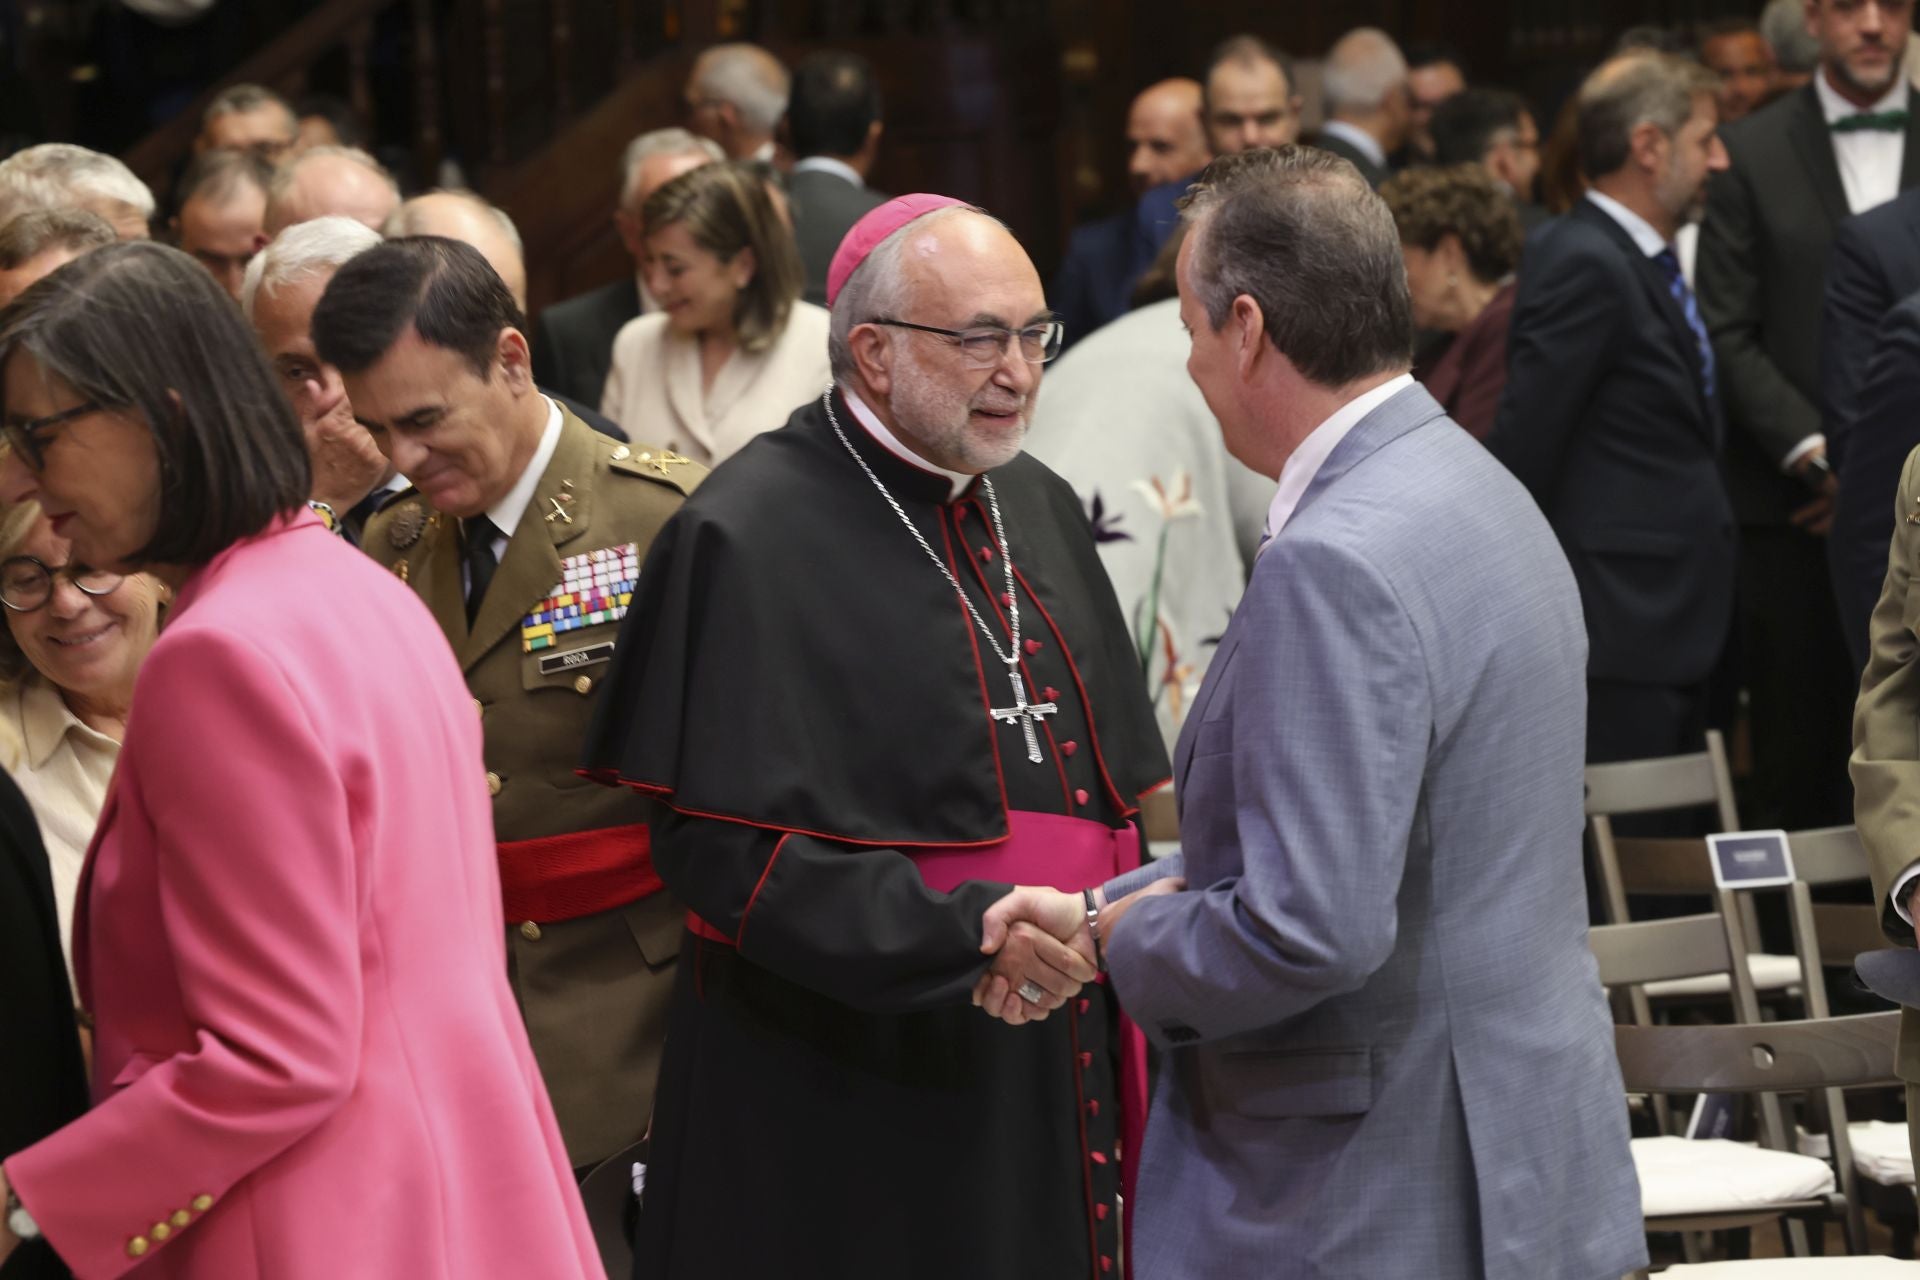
[
  {"x": 979, "y": 671},
  {"x": 1086, "y": 704},
  {"x": 1080, "y": 1119},
  {"x": 740, "y": 934}
]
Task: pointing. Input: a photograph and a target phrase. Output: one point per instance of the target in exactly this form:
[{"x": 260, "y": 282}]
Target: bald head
[
  {"x": 331, "y": 181},
  {"x": 736, "y": 95},
  {"x": 960, "y": 407},
  {"x": 463, "y": 216},
  {"x": 1166, "y": 134}
]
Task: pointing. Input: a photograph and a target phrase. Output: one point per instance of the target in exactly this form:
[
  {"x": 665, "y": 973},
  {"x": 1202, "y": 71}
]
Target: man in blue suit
[{"x": 1385, "y": 1050}]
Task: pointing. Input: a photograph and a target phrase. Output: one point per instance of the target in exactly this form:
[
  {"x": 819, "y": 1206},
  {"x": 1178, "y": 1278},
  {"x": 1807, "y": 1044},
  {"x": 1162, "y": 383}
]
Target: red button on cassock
[
  {"x": 1033, "y": 646},
  {"x": 1086, "y": 1060},
  {"x": 1097, "y": 1157},
  {"x": 1093, "y": 1106},
  {"x": 1100, "y": 1213},
  {"x": 1068, "y": 747},
  {"x": 1080, "y": 795},
  {"x": 1085, "y": 1005},
  {"x": 1106, "y": 1264},
  {"x": 1050, "y": 694},
  {"x": 986, "y": 553}
]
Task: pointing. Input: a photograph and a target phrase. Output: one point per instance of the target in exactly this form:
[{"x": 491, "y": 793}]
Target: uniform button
[
  {"x": 530, "y": 931},
  {"x": 181, "y": 1217},
  {"x": 160, "y": 1231},
  {"x": 479, "y": 707},
  {"x": 137, "y": 1247},
  {"x": 202, "y": 1203},
  {"x": 621, "y": 453},
  {"x": 494, "y": 784},
  {"x": 583, "y": 685}
]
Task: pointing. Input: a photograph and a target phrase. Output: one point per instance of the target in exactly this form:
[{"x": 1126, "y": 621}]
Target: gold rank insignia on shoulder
[
  {"x": 662, "y": 461},
  {"x": 408, "y": 524},
  {"x": 621, "y": 453}
]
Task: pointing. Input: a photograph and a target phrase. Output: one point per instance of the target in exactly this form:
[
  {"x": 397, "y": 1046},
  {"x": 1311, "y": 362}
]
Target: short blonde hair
[
  {"x": 725, "y": 208},
  {"x": 17, "y": 521}
]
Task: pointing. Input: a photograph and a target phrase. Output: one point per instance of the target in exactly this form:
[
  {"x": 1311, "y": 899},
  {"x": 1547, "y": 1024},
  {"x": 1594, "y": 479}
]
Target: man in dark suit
[
  {"x": 1798, "y": 167},
  {"x": 1494, "y": 129},
  {"x": 1369, "y": 110},
  {"x": 1167, "y": 145},
  {"x": 573, "y": 340},
  {"x": 1885, "y": 428},
  {"x": 1611, "y": 415},
  {"x": 833, "y": 126}
]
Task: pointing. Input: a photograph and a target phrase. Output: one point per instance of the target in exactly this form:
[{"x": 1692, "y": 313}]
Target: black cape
[{"x": 802, "y": 692}]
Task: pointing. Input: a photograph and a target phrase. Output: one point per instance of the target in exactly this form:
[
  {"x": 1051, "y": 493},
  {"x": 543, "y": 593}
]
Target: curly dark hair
[{"x": 1466, "y": 201}]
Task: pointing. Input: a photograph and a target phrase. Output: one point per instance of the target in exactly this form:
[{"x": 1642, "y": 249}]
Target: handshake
[{"x": 1044, "y": 948}]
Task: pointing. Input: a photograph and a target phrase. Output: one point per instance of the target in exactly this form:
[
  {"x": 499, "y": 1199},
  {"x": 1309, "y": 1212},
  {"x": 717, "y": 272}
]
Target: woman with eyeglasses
[
  {"x": 733, "y": 351},
  {"x": 74, "y": 642},
  {"x": 307, "y": 1061}
]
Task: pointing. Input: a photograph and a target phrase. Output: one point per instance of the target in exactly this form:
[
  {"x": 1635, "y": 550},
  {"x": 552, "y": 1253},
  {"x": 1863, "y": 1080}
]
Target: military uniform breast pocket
[
  {"x": 568, "y": 638},
  {"x": 577, "y": 668}
]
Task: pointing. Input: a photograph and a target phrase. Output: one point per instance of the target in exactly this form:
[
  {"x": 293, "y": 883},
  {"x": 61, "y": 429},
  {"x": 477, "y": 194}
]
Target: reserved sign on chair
[{"x": 1750, "y": 859}]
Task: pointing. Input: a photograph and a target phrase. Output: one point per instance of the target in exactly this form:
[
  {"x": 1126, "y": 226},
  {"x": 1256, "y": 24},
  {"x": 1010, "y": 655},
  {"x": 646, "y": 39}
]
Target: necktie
[
  {"x": 476, "y": 535},
  {"x": 1871, "y": 122},
  {"x": 1677, "y": 285}
]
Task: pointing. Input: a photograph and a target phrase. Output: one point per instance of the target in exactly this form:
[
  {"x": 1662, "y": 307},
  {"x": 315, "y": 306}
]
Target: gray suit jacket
[
  {"x": 1387, "y": 1048},
  {"x": 825, "y": 207}
]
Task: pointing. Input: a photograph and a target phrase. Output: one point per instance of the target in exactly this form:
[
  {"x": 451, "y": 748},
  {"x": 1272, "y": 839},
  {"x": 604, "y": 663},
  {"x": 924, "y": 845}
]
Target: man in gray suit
[
  {"x": 1385, "y": 1050},
  {"x": 833, "y": 126}
]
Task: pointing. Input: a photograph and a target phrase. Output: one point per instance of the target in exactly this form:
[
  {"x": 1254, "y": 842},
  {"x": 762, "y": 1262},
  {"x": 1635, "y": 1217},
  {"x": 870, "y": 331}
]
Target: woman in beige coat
[{"x": 732, "y": 351}]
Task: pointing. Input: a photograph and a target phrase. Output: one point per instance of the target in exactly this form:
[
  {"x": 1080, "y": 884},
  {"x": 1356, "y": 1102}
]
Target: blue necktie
[{"x": 1690, "y": 307}]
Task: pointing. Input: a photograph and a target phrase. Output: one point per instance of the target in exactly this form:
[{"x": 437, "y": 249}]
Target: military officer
[{"x": 523, "y": 534}]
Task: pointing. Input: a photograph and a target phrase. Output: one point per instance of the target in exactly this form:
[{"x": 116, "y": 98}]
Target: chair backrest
[
  {"x": 1670, "y": 782},
  {"x": 1842, "y": 930},
  {"x": 1769, "y": 1057},
  {"x": 1829, "y": 855},
  {"x": 1641, "y": 951}
]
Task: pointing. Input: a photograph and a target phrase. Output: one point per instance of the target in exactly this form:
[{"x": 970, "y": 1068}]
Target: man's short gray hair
[
  {"x": 1783, "y": 24},
  {"x": 1642, "y": 87},
  {"x": 60, "y": 175},
  {"x": 1362, "y": 68},
  {"x": 26, "y": 237},
  {"x": 406, "y": 220},
  {"x": 672, "y": 141},
  {"x": 750, "y": 78},
  {"x": 1300, "y": 232},
  {"x": 284, "y": 176},
  {"x": 304, "y": 250},
  {"x": 878, "y": 289}
]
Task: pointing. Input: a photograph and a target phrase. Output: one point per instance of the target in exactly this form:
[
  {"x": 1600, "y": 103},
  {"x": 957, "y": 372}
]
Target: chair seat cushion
[
  {"x": 1712, "y": 1175},
  {"x": 1881, "y": 1152},
  {"x": 1770, "y": 973},
  {"x": 1796, "y": 1269}
]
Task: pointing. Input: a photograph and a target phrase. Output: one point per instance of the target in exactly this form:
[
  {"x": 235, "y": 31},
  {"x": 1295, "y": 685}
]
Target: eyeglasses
[
  {"x": 986, "y": 345},
  {"x": 24, "y": 438},
  {"x": 26, "y": 583}
]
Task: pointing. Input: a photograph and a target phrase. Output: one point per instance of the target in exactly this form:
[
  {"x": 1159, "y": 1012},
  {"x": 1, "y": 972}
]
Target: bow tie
[{"x": 1872, "y": 122}]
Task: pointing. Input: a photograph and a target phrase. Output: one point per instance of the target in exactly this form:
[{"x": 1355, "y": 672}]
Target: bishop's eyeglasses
[
  {"x": 26, "y": 583},
  {"x": 985, "y": 346}
]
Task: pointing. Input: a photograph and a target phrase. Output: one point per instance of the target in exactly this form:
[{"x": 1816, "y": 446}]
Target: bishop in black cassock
[{"x": 812, "y": 706}]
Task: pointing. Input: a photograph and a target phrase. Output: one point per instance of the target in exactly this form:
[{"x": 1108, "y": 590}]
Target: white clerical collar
[
  {"x": 1304, "y": 463},
  {"x": 1651, "y": 242},
  {"x": 506, "y": 513},
  {"x": 1834, "y": 107},
  {"x": 1357, "y": 138},
  {"x": 866, "y": 418},
  {"x": 827, "y": 164}
]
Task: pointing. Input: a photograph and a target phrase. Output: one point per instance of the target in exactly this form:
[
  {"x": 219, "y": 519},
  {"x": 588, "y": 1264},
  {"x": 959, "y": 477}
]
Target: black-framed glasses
[
  {"x": 26, "y": 583},
  {"x": 26, "y": 438},
  {"x": 984, "y": 346}
]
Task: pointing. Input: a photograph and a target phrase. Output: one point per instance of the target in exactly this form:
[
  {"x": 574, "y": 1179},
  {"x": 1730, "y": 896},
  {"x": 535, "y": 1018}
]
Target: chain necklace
[{"x": 1021, "y": 712}]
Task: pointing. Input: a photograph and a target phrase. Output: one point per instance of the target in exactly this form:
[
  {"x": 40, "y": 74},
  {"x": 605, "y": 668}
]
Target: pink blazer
[{"x": 308, "y": 1061}]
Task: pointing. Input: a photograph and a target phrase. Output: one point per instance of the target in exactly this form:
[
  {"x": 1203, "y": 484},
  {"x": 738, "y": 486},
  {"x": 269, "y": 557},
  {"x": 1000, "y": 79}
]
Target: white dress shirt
[
  {"x": 1304, "y": 463},
  {"x": 1357, "y": 138},
  {"x": 956, "y": 480},
  {"x": 1870, "y": 160},
  {"x": 507, "y": 512}
]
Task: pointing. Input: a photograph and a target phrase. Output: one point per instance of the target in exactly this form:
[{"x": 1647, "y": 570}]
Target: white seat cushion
[
  {"x": 1881, "y": 1152},
  {"x": 1712, "y": 1175},
  {"x": 1770, "y": 973},
  {"x": 1797, "y": 1269}
]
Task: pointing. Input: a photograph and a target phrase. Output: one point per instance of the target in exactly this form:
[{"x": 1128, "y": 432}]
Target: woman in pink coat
[{"x": 307, "y": 1060}]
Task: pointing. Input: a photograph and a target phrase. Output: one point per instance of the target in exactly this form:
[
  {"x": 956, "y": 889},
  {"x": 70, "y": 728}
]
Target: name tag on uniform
[
  {"x": 594, "y": 587},
  {"x": 591, "y": 656},
  {"x": 1751, "y": 859}
]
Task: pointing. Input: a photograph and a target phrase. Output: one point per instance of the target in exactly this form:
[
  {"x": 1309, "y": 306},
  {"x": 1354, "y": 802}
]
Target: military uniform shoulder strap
[{"x": 662, "y": 466}]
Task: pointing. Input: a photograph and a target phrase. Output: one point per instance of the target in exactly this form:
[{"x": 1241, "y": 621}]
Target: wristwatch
[
  {"x": 326, "y": 514},
  {"x": 19, "y": 1221}
]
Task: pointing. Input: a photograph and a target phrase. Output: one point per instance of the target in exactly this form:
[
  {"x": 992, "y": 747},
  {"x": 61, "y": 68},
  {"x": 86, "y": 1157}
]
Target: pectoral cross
[{"x": 1025, "y": 713}]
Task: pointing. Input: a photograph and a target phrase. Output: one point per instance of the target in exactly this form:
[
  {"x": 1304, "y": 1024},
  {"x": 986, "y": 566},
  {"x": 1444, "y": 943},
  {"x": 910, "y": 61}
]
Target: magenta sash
[{"x": 1069, "y": 854}]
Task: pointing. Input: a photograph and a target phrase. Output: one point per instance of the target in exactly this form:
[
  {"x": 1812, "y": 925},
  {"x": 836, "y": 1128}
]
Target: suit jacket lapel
[
  {"x": 1813, "y": 142},
  {"x": 437, "y": 577},
  {"x": 1660, "y": 290},
  {"x": 1910, "y": 150},
  {"x": 531, "y": 567},
  {"x": 685, "y": 395}
]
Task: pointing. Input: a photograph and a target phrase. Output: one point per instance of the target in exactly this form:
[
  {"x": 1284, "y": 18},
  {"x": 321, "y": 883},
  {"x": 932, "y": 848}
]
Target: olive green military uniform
[{"x": 591, "y": 936}]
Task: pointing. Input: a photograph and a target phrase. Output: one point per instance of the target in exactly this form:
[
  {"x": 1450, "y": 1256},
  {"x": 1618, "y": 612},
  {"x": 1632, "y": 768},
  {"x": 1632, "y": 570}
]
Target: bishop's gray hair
[
  {"x": 302, "y": 251},
  {"x": 60, "y": 175},
  {"x": 750, "y": 78},
  {"x": 878, "y": 289},
  {"x": 672, "y": 141},
  {"x": 1299, "y": 231}
]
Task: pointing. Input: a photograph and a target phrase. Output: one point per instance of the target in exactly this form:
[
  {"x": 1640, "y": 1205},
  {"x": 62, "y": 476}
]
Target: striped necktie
[{"x": 1690, "y": 307}]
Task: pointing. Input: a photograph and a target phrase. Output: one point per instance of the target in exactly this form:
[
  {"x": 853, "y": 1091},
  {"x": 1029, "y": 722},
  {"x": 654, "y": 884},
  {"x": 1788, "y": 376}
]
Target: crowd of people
[{"x": 701, "y": 732}]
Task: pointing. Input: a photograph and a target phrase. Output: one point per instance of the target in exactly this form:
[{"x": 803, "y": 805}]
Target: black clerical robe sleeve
[{"x": 858, "y": 925}]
